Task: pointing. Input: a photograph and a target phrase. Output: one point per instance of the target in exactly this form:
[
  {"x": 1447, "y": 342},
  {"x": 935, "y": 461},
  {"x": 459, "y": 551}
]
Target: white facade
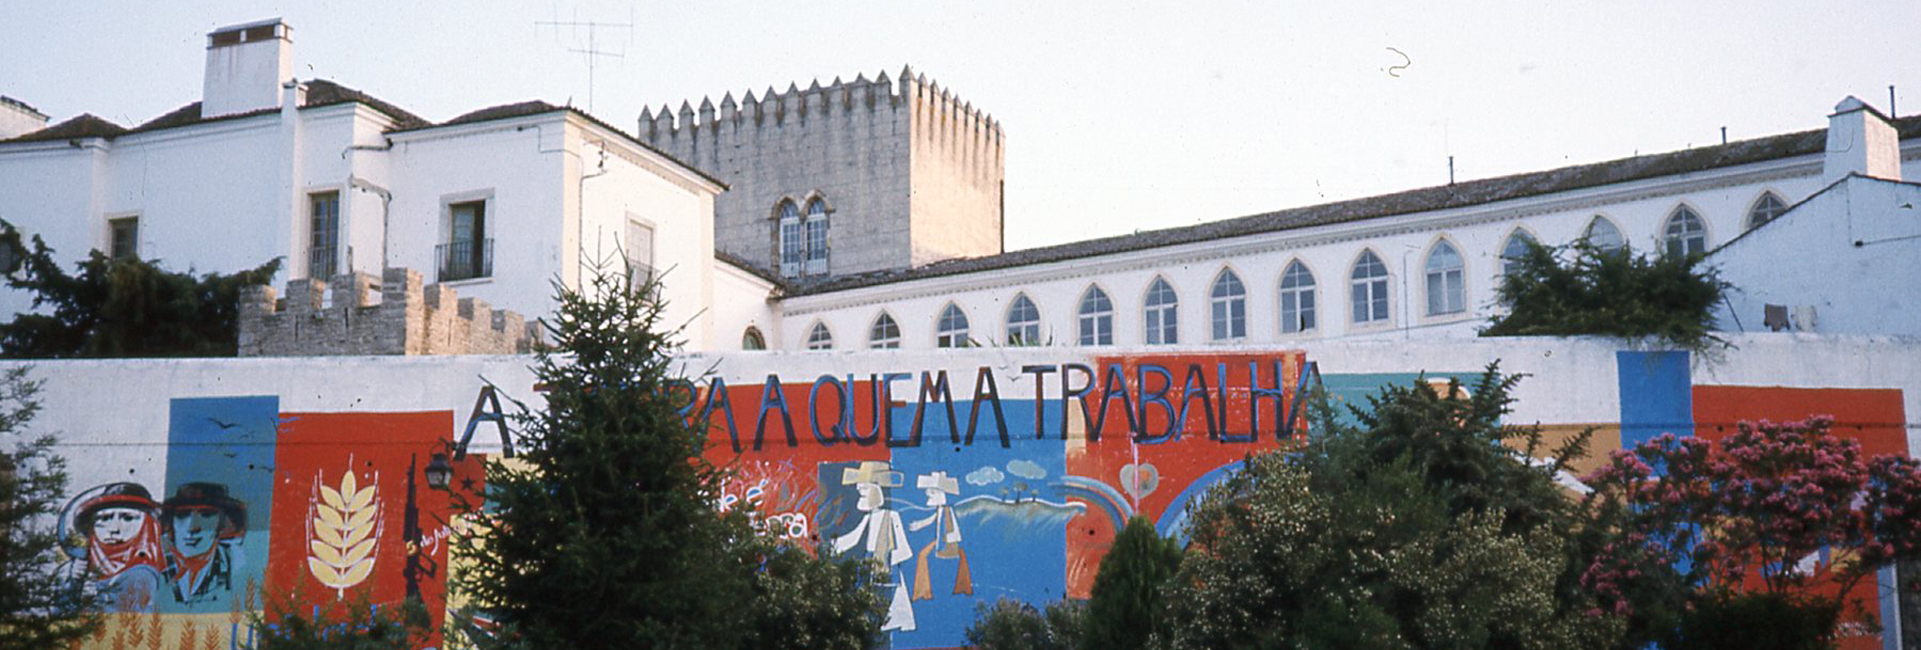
[{"x": 558, "y": 190}]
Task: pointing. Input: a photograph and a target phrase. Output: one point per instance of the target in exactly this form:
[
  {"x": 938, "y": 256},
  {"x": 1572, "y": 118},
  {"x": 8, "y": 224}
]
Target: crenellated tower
[{"x": 905, "y": 172}]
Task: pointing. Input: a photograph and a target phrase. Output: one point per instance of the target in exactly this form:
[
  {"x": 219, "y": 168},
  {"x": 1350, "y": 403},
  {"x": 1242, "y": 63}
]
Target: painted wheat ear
[{"x": 343, "y": 533}]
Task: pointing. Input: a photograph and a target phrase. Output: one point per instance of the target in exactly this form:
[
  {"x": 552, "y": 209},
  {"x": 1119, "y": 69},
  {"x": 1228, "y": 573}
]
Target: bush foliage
[
  {"x": 120, "y": 308},
  {"x": 1581, "y": 290}
]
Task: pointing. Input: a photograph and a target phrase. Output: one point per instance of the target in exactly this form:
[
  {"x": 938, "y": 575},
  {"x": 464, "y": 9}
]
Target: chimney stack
[
  {"x": 246, "y": 65},
  {"x": 1860, "y": 141}
]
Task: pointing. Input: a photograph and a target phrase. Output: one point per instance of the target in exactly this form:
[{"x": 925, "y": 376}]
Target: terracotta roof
[
  {"x": 1441, "y": 197},
  {"x": 320, "y": 92},
  {"x": 87, "y": 125}
]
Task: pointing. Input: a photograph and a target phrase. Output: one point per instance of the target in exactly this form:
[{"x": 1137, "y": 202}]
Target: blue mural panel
[
  {"x": 214, "y": 511},
  {"x": 1657, "y": 395}
]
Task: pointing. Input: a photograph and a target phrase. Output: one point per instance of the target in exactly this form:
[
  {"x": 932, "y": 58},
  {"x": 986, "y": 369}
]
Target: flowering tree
[{"x": 1789, "y": 510}]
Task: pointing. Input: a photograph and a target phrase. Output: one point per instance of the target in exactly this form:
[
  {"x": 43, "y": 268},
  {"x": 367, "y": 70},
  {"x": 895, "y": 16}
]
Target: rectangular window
[
  {"x": 324, "y": 248},
  {"x": 468, "y": 252},
  {"x": 125, "y": 238},
  {"x": 817, "y": 244},
  {"x": 640, "y": 251},
  {"x": 790, "y": 247}
]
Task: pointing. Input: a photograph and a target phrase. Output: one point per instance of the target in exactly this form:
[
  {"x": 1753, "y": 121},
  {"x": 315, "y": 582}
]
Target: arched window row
[{"x": 1440, "y": 276}]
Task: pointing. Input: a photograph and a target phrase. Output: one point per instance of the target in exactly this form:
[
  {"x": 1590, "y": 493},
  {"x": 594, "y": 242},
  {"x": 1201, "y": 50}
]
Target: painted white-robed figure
[{"x": 881, "y": 533}]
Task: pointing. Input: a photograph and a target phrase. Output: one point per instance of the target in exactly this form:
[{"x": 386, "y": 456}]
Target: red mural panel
[
  {"x": 777, "y": 480},
  {"x": 1876, "y": 417},
  {"x": 351, "y": 507},
  {"x": 1153, "y": 473}
]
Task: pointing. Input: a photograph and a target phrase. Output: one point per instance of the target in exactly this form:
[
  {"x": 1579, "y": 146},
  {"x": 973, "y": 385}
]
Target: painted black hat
[{"x": 208, "y": 495}]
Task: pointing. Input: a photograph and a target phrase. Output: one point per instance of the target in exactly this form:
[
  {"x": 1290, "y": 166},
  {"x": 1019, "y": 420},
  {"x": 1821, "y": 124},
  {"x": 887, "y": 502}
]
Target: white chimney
[
  {"x": 245, "y": 66},
  {"x": 17, "y": 118},
  {"x": 1860, "y": 141}
]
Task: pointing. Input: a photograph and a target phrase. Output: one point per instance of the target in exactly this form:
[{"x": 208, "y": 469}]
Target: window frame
[
  {"x": 1385, "y": 283},
  {"x": 1308, "y": 290},
  {"x": 816, "y": 224},
  {"x": 1102, "y": 332},
  {"x": 330, "y": 233},
  {"x": 787, "y": 220},
  {"x": 652, "y": 252},
  {"x": 875, "y": 337},
  {"x": 1669, "y": 240},
  {"x": 1507, "y": 261},
  {"x": 113, "y": 223},
  {"x": 1754, "y": 209},
  {"x": 947, "y": 337},
  {"x": 1232, "y": 308},
  {"x": 1453, "y": 298},
  {"x": 1160, "y": 316},
  {"x": 1621, "y": 238},
  {"x": 758, "y": 340},
  {"x": 480, "y": 256},
  {"x": 1022, "y": 338},
  {"x": 819, "y": 337}
]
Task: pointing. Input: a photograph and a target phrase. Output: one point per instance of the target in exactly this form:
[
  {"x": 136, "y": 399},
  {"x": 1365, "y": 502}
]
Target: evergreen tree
[
  {"x": 119, "y": 308},
  {"x": 603, "y": 534},
  {"x": 1125, "y": 608},
  {"x": 39, "y": 609}
]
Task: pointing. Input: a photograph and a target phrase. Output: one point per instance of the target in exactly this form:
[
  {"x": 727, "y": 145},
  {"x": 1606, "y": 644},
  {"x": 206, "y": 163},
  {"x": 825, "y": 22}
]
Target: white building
[
  {"x": 498, "y": 202},
  {"x": 502, "y": 200}
]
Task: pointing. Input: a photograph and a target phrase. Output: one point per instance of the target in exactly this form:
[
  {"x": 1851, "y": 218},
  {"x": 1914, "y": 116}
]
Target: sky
[{"x": 1119, "y": 116}]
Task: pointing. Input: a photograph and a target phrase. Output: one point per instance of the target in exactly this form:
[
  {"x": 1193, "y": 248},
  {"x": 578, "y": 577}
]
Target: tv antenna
[{"x": 592, "y": 52}]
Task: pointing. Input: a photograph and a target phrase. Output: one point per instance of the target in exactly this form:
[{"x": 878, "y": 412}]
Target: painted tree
[
  {"x": 1788, "y": 511},
  {"x": 1126, "y": 604},
  {"x": 119, "y": 308},
  {"x": 39, "y": 609}
]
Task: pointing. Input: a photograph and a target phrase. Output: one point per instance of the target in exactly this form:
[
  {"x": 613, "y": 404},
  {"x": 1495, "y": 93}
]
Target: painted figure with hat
[
  {"x": 119, "y": 552},
  {"x": 947, "y": 536},
  {"x": 880, "y": 533},
  {"x": 204, "y": 526}
]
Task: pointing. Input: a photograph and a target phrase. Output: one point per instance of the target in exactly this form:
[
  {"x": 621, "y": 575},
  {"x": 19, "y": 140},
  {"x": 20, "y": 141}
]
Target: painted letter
[
  {"x": 1040, "y": 400},
  {"x": 1068, "y": 391},
  {"x": 984, "y": 389},
  {"x": 1115, "y": 383},
  {"x": 1159, "y": 397},
  {"x": 717, "y": 392},
  {"x": 813, "y": 411},
  {"x": 1195, "y": 388},
  {"x": 771, "y": 397}
]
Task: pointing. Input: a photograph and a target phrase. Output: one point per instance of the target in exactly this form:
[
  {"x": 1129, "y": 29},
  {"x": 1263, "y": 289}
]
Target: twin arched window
[
  {"x": 1023, "y": 322},
  {"x": 951, "y": 331},
  {"x": 1096, "y": 318},
  {"x": 803, "y": 239},
  {"x": 1227, "y": 306},
  {"x": 1446, "y": 281},
  {"x": 1368, "y": 285},
  {"x": 1162, "y": 314},
  {"x": 1685, "y": 233},
  {"x": 1297, "y": 298},
  {"x": 884, "y": 334}
]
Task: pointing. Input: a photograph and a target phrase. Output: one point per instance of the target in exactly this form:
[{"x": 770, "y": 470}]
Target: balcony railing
[
  {"x": 320, "y": 262},
  {"x": 464, "y": 260}
]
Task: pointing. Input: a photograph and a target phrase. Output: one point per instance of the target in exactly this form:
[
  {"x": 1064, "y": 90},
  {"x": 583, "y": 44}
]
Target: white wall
[{"x": 1850, "y": 252}]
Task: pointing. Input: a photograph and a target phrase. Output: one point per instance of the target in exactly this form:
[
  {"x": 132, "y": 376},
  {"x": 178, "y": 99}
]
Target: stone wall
[
  {"x": 395, "y": 314},
  {"x": 910, "y": 173}
]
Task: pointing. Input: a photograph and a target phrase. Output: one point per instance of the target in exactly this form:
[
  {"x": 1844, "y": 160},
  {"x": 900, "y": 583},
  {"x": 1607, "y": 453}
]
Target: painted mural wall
[{"x": 203, "y": 487}]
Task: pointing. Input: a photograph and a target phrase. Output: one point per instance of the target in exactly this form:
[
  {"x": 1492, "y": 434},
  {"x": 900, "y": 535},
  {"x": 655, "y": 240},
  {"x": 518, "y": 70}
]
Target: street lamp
[{"x": 439, "y": 472}]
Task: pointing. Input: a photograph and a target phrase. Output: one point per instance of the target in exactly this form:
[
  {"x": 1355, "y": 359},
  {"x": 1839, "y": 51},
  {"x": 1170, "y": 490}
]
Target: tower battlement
[{"x": 910, "y": 172}]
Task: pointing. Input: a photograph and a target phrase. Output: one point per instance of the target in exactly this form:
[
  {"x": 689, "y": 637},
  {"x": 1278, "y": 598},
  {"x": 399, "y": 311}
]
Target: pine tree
[
  {"x": 603, "y": 533},
  {"x": 1125, "y": 608},
  {"x": 39, "y": 609}
]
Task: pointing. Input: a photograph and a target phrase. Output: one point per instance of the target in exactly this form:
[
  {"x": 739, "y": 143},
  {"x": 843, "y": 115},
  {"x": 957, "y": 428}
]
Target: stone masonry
[
  {"x": 364, "y": 316},
  {"x": 910, "y": 173}
]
